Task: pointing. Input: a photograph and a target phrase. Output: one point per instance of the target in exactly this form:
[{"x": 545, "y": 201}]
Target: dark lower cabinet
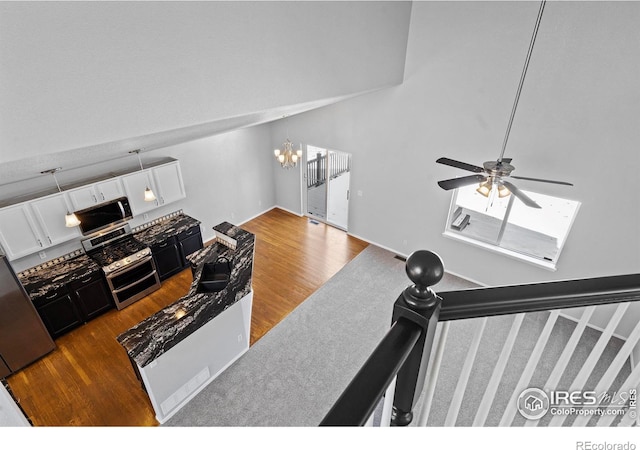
[
  {"x": 58, "y": 312},
  {"x": 189, "y": 241},
  {"x": 170, "y": 256},
  {"x": 74, "y": 304},
  {"x": 92, "y": 295},
  {"x": 167, "y": 258}
]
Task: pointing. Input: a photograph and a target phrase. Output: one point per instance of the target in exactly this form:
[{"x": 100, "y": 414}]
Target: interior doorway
[{"x": 326, "y": 181}]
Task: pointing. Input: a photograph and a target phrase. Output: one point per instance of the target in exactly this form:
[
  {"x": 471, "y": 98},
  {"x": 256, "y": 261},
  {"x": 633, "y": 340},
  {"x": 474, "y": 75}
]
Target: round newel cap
[{"x": 425, "y": 269}]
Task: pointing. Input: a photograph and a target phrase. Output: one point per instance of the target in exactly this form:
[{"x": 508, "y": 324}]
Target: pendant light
[
  {"x": 149, "y": 196},
  {"x": 70, "y": 219}
]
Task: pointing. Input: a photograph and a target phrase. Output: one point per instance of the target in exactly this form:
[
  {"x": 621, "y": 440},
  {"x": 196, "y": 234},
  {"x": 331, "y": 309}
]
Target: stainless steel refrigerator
[{"x": 23, "y": 336}]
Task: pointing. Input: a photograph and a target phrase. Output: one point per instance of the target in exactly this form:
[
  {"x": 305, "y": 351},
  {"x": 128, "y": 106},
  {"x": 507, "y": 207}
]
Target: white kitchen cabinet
[
  {"x": 109, "y": 190},
  {"x": 168, "y": 182},
  {"x": 134, "y": 185},
  {"x": 87, "y": 196},
  {"x": 19, "y": 234},
  {"x": 50, "y": 215},
  {"x": 83, "y": 197}
]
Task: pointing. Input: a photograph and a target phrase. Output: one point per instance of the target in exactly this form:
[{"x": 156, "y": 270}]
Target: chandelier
[{"x": 288, "y": 157}]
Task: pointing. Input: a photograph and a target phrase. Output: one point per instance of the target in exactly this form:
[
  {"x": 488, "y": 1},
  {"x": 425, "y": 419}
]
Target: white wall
[
  {"x": 227, "y": 177},
  {"x": 577, "y": 121},
  {"x": 76, "y": 75}
]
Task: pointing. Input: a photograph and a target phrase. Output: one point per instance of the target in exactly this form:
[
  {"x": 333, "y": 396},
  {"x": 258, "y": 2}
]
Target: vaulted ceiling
[{"x": 86, "y": 82}]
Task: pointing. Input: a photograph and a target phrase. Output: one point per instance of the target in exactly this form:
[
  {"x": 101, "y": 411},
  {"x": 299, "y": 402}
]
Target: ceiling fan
[{"x": 492, "y": 175}]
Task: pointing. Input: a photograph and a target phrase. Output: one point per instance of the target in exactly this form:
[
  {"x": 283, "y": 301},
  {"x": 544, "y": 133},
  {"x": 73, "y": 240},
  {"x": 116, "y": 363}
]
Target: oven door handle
[
  {"x": 132, "y": 266},
  {"x": 116, "y": 291}
]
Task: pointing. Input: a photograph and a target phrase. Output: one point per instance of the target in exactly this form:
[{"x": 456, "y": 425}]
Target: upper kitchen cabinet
[
  {"x": 168, "y": 181},
  {"x": 134, "y": 185},
  {"x": 19, "y": 234},
  {"x": 93, "y": 194},
  {"x": 49, "y": 213},
  {"x": 164, "y": 180}
]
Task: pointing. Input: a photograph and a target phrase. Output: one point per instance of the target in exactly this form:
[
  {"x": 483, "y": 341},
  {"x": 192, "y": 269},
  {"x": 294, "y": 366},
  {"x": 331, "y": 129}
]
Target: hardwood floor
[{"x": 88, "y": 380}]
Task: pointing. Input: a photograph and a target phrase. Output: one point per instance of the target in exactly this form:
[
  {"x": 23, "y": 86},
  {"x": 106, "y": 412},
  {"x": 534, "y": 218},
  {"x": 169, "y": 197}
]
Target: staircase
[
  {"x": 507, "y": 356},
  {"x": 487, "y": 362}
]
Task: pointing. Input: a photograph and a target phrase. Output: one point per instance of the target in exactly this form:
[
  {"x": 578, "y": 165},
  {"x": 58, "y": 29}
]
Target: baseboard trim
[
  {"x": 288, "y": 210},
  {"x": 257, "y": 215},
  {"x": 378, "y": 245},
  {"x": 470, "y": 280}
]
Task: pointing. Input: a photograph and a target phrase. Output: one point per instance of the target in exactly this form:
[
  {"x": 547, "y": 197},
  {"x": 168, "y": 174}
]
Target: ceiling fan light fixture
[
  {"x": 503, "y": 191},
  {"x": 484, "y": 188}
]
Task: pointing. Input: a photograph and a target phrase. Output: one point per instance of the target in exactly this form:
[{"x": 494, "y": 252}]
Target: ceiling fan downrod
[{"x": 522, "y": 76}]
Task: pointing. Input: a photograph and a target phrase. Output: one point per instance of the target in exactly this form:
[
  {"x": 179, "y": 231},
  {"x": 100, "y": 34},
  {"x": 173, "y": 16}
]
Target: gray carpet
[{"x": 294, "y": 374}]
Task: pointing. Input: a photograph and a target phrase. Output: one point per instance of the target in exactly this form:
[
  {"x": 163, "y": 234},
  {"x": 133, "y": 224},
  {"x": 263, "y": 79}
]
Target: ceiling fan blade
[
  {"x": 460, "y": 165},
  {"x": 521, "y": 195},
  {"x": 541, "y": 180},
  {"x": 462, "y": 181},
  {"x": 506, "y": 160}
]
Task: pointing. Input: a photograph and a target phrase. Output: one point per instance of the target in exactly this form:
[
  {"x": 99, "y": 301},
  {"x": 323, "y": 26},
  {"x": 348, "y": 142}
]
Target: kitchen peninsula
[{"x": 182, "y": 348}]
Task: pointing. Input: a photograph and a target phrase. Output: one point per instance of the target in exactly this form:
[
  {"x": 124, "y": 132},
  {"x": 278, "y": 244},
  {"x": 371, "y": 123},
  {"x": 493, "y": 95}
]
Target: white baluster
[
  {"x": 461, "y": 387},
  {"x": 529, "y": 369},
  {"x": 612, "y": 371},
  {"x": 433, "y": 371},
  {"x": 498, "y": 373},
  {"x": 565, "y": 357},
  {"x": 582, "y": 377}
]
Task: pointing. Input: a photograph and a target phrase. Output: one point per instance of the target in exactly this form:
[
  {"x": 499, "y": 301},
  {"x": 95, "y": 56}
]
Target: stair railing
[
  {"x": 339, "y": 163},
  {"x": 398, "y": 366}
]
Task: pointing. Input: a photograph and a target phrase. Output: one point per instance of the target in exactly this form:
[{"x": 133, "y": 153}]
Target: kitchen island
[{"x": 179, "y": 350}]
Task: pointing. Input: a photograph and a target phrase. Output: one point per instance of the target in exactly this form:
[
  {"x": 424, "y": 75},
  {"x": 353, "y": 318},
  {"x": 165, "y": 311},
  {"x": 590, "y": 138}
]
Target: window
[{"x": 508, "y": 226}]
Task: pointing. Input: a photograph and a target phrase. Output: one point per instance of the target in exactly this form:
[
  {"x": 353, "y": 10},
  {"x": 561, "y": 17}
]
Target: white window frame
[{"x": 495, "y": 247}]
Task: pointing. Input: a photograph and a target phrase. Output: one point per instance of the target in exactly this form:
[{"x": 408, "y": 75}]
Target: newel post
[{"x": 421, "y": 305}]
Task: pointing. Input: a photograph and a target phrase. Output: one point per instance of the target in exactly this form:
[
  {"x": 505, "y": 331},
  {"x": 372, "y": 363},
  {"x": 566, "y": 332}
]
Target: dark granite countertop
[
  {"x": 56, "y": 275},
  {"x": 163, "y": 330},
  {"x": 159, "y": 232}
]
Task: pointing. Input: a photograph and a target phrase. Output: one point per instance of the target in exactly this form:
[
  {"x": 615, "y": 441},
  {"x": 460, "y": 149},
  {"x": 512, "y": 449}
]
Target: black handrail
[
  {"x": 362, "y": 395},
  {"x": 482, "y": 302},
  {"x": 418, "y": 308}
]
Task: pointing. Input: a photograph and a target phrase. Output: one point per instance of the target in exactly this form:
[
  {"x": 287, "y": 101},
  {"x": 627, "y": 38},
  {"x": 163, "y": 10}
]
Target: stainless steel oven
[
  {"x": 127, "y": 264},
  {"x": 133, "y": 282}
]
